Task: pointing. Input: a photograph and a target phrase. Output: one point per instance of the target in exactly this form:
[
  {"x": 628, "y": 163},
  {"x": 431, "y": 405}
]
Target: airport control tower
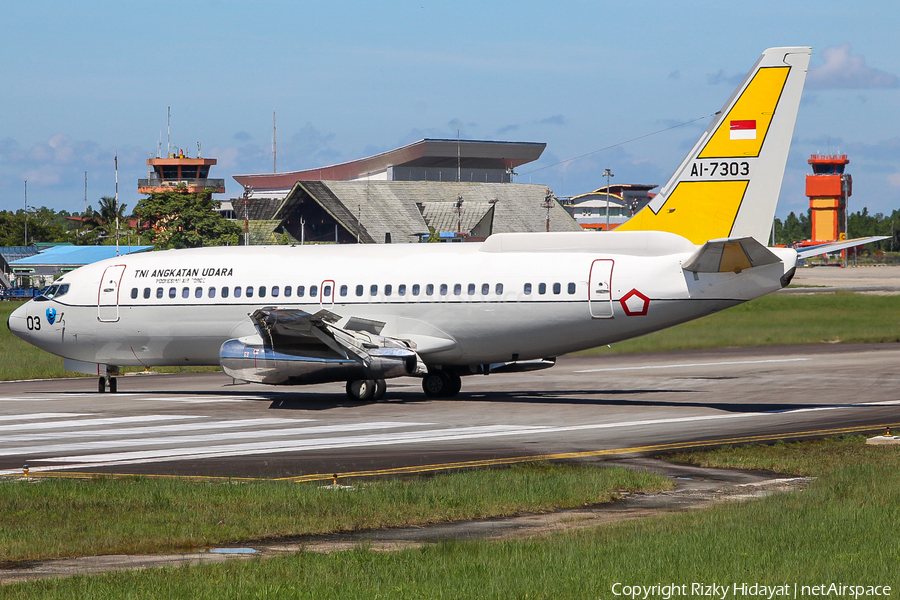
[
  {"x": 178, "y": 171},
  {"x": 828, "y": 189}
]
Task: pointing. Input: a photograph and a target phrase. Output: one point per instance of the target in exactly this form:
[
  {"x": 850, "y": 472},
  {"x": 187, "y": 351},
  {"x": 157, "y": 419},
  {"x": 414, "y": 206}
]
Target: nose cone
[{"x": 17, "y": 321}]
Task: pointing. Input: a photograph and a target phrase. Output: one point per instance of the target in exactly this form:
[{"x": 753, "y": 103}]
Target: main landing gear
[
  {"x": 441, "y": 384},
  {"x": 367, "y": 390}
]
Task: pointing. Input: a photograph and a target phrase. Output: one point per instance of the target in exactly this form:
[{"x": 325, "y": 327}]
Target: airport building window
[
  {"x": 557, "y": 288},
  {"x": 429, "y": 289},
  {"x": 388, "y": 289},
  {"x": 457, "y": 289},
  {"x": 471, "y": 289},
  {"x": 185, "y": 292},
  {"x": 262, "y": 291},
  {"x": 225, "y": 292},
  {"x": 527, "y": 289},
  {"x": 313, "y": 291},
  {"x": 343, "y": 290},
  {"x": 443, "y": 289},
  {"x": 198, "y": 292},
  {"x": 287, "y": 291},
  {"x": 498, "y": 289},
  {"x": 571, "y": 288},
  {"x": 359, "y": 290},
  {"x": 485, "y": 289},
  {"x": 171, "y": 292},
  {"x": 300, "y": 291},
  {"x": 275, "y": 291},
  {"x": 146, "y": 293},
  {"x": 373, "y": 290},
  {"x": 211, "y": 292},
  {"x": 415, "y": 289},
  {"x": 542, "y": 288},
  {"x": 401, "y": 289},
  {"x": 159, "y": 292},
  {"x": 237, "y": 291},
  {"x": 249, "y": 291},
  {"x": 134, "y": 293}
]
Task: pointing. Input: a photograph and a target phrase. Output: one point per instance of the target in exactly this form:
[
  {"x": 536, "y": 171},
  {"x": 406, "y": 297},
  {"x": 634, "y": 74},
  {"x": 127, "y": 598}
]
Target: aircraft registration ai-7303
[{"x": 289, "y": 315}]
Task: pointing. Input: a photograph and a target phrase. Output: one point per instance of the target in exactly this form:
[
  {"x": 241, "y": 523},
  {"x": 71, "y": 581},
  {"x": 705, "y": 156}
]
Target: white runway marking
[
  {"x": 93, "y": 422},
  {"x": 685, "y": 365},
  {"x": 39, "y": 416}
]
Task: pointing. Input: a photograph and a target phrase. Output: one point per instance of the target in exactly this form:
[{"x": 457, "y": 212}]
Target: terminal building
[{"x": 452, "y": 190}]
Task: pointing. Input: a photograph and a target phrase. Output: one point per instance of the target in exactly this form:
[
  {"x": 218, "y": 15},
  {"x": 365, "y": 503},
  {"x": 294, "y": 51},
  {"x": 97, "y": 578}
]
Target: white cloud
[{"x": 843, "y": 71}]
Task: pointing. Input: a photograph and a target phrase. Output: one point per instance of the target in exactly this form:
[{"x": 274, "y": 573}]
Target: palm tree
[{"x": 101, "y": 224}]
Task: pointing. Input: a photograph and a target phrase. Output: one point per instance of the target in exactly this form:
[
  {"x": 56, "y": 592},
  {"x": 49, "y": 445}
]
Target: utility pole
[
  {"x": 548, "y": 203},
  {"x": 245, "y": 200},
  {"x": 26, "y": 212},
  {"x": 459, "y": 203},
  {"x": 116, "y": 208},
  {"x": 274, "y": 145}
]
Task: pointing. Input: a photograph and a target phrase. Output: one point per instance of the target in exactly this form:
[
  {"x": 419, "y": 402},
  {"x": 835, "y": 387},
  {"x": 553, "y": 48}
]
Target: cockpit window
[{"x": 54, "y": 291}]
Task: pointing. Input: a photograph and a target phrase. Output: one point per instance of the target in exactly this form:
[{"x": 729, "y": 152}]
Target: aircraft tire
[
  {"x": 455, "y": 385},
  {"x": 101, "y": 385},
  {"x": 436, "y": 384},
  {"x": 113, "y": 385},
  {"x": 361, "y": 389},
  {"x": 380, "y": 390}
]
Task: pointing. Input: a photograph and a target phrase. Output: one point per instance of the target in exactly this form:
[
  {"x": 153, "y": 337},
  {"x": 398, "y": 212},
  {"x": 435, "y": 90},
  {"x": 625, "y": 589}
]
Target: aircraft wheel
[
  {"x": 436, "y": 384},
  {"x": 101, "y": 385},
  {"x": 361, "y": 389},
  {"x": 455, "y": 385},
  {"x": 113, "y": 386},
  {"x": 380, "y": 390}
]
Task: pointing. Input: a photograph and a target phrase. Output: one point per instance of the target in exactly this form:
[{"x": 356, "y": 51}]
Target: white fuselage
[{"x": 513, "y": 297}]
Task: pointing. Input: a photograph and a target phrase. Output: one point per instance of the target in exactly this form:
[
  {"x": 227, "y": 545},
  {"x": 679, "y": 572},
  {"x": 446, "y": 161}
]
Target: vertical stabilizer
[{"x": 728, "y": 184}]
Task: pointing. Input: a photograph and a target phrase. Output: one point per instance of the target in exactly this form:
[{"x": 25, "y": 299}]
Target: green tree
[
  {"x": 794, "y": 229},
  {"x": 44, "y": 225},
  {"x": 178, "y": 219}
]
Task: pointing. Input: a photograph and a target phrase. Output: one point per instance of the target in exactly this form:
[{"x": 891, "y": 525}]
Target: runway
[{"x": 585, "y": 407}]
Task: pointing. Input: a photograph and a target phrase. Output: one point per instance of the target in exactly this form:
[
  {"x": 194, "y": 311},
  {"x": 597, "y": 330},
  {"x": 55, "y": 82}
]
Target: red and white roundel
[{"x": 635, "y": 303}]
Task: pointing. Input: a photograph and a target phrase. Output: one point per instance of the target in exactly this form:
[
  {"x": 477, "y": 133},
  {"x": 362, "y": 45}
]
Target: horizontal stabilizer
[
  {"x": 730, "y": 255},
  {"x": 834, "y": 247}
]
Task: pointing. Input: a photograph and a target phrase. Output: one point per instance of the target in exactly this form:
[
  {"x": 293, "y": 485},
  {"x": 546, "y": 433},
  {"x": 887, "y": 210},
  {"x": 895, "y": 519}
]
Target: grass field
[
  {"x": 771, "y": 320},
  {"x": 841, "y": 529}
]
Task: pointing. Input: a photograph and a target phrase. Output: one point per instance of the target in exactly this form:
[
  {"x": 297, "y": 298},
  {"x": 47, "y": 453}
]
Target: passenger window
[
  {"x": 359, "y": 290},
  {"x": 542, "y": 288},
  {"x": 557, "y": 288},
  {"x": 457, "y": 289},
  {"x": 159, "y": 292},
  {"x": 415, "y": 289},
  {"x": 401, "y": 289},
  {"x": 237, "y": 291},
  {"x": 326, "y": 291},
  {"x": 185, "y": 292},
  {"x": 443, "y": 289},
  {"x": 287, "y": 291},
  {"x": 134, "y": 293},
  {"x": 485, "y": 289},
  {"x": 343, "y": 290},
  {"x": 571, "y": 288},
  {"x": 262, "y": 291},
  {"x": 211, "y": 292},
  {"x": 171, "y": 292},
  {"x": 300, "y": 291},
  {"x": 498, "y": 289},
  {"x": 313, "y": 291},
  {"x": 275, "y": 291},
  {"x": 225, "y": 291},
  {"x": 471, "y": 289},
  {"x": 429, "y": 290},
  {"x": 146, "y": 293},
  {"x": 249, "y": 291},
  {"x": 198, "y": 292},
  {"x": 373, "y": 290},
  {"x": 527, "y": 289},
  {"x": 387, "y": 290}
]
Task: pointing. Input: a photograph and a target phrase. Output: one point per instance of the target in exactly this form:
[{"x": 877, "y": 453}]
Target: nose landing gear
[{"x": 108, "y": 381}]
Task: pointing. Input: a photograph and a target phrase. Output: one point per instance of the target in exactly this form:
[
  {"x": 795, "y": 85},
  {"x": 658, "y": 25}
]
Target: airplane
[{"x": 293, "y": 315}]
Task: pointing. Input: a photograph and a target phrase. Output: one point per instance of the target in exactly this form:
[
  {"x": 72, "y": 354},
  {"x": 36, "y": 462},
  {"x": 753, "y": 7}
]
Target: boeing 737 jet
[{"x": 292, "y": 315}]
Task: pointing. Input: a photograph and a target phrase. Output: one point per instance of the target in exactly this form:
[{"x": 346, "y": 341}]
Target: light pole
[
  {"x": 607, "y": 173},
  {"x": 26, "y": 212}
]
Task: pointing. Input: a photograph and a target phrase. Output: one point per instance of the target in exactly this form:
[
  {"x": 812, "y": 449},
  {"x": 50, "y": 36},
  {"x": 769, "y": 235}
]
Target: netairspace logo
[{"x": 758, "y": 591}]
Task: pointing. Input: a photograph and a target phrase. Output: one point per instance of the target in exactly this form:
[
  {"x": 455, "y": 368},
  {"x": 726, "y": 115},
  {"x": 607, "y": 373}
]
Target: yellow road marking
[{"x": 491, "y": 462}]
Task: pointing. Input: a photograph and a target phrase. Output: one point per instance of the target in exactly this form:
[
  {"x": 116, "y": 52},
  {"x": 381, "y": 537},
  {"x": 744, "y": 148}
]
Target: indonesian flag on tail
[{"x": 743, "y": 130}]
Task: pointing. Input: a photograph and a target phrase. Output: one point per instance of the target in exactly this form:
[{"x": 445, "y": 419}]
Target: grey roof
[{"x": 405, "y": 208}]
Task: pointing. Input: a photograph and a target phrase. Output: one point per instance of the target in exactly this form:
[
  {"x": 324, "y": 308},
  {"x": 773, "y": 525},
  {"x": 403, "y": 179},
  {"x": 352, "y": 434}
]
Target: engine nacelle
[{"x": 247, "y": 359}]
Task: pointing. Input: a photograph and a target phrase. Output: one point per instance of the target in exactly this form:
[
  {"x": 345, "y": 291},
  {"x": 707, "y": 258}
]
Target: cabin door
[
  {"x": 600, "y": 289},
  {"x": 108, "y": 295}
]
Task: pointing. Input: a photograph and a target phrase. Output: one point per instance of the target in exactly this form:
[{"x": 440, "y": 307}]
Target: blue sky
[{"x": 82, "y": 81}]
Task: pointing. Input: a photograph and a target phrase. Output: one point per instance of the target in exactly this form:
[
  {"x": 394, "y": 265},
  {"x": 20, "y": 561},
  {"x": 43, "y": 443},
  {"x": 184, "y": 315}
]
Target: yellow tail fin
[{"x": 728, "y": 184}]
